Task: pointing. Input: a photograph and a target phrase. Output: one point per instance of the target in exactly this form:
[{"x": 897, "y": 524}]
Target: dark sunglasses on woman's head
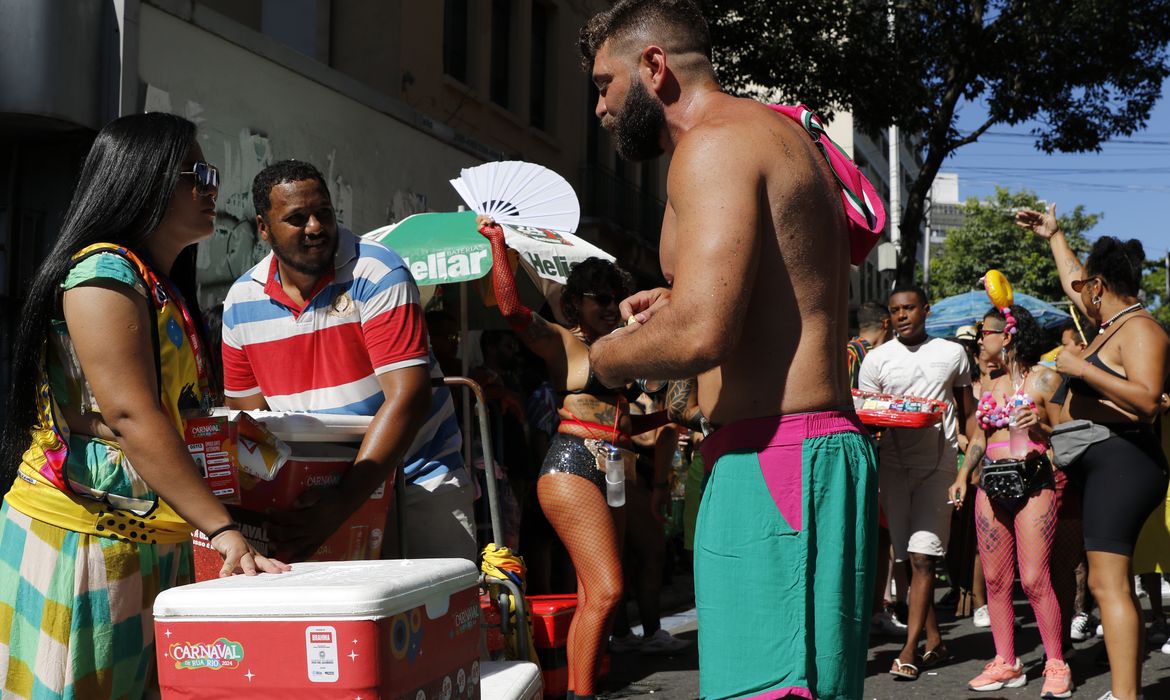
[
  {"x": 206, "y": 177},
  {"x": 1077, "y": 285},
  {"x": 602, "y": 299}
]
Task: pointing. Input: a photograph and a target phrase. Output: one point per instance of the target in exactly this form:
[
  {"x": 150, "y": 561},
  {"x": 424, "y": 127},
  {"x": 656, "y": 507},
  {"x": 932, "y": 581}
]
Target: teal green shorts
[{"x": 785, "y": 557}]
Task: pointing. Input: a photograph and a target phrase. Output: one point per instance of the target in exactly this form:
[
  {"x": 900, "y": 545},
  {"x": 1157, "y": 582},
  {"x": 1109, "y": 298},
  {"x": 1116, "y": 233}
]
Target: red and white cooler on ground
[{"x": 371, "y": 629}]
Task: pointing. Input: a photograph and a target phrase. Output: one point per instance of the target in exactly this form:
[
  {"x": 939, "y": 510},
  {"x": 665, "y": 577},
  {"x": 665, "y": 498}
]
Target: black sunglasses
[
  {"x": 206, "y": 177},
  {"x": 602, "y": 299},
  {"x": 1077, "y": 285}
]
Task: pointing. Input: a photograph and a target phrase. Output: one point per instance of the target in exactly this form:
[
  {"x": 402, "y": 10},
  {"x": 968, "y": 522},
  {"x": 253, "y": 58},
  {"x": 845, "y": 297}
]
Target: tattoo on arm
[
  {"x": 679, "y": 404},
  {"x": 538, "y": 330},
  {"x": 1073, "y": 265},
  {"x": 974, "y": 454}
]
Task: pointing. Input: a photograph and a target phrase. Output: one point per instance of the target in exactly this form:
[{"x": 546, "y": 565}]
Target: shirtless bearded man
[{"x": 756, "y": 245}]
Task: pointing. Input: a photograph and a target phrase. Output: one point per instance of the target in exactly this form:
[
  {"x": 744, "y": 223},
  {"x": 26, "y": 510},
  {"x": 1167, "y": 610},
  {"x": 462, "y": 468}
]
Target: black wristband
[{"x": 230, "y": 526}]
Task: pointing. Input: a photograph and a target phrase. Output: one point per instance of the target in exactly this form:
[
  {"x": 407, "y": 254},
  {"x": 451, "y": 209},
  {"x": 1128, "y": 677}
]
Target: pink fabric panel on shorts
[
  {"x": 777, "y": 693},
  {"x": 778, "y": 442}
]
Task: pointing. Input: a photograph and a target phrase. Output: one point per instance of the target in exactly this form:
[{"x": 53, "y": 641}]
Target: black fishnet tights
[{"x": 590, "y": 531}]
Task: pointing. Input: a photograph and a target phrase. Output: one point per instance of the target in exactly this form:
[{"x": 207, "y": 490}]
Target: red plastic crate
[{"x": 551, "y": 616}]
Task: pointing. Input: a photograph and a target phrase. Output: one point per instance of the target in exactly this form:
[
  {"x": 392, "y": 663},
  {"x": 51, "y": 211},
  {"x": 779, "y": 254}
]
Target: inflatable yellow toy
[{"x": 999, "y": 290}]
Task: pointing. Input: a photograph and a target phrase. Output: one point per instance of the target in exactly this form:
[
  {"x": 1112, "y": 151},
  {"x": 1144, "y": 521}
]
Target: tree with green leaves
[
  {"x": 1154, "y": 288},
  {"x": 989, "y": 238},
  {"x": 1084, "y": 71}
]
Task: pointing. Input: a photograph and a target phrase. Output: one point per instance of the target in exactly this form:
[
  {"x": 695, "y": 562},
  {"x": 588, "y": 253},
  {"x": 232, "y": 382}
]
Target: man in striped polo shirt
[{"x": 330, "y": 323}]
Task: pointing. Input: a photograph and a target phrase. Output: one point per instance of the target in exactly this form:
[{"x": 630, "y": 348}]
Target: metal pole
[
  {"x": 466, "y": 353},
  {"x": 488, "y": 455},
  {"x": 926, "y": 249},
  {"x": 895, "y": 189}
]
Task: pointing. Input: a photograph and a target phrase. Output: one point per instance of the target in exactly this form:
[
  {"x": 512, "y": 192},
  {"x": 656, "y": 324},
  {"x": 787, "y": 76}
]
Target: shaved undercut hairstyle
[
  {"x": 678, "y": 26},
  {"x": 870, "y": 316}
]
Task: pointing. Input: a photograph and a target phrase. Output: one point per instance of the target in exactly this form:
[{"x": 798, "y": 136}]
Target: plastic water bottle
[
  {"x": 1018, "y": 441},
  {"x": 615, "y": 477}
]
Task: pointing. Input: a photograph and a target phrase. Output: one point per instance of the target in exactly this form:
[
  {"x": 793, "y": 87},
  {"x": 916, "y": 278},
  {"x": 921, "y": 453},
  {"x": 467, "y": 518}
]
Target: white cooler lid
[
  {"x": 336, "y": 589},
  {"x": 308, "y": 427}
]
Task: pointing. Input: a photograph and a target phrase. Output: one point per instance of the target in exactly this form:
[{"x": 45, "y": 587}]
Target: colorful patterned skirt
[{"x": 75, "y": 609}]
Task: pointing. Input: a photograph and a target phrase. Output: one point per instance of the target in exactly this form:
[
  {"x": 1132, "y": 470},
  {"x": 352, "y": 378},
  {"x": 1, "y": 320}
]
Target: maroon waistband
[{"x": 756, "y": 434}]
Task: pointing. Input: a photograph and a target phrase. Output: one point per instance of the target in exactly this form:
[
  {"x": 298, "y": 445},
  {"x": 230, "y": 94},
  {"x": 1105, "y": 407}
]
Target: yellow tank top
[{"x": 86, "y": 484}]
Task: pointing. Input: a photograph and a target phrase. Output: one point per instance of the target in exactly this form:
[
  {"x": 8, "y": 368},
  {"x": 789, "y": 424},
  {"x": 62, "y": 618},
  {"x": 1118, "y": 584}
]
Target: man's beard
[
  {"x": 638, "y": 127},
  {"x": 290, "y": 259}
]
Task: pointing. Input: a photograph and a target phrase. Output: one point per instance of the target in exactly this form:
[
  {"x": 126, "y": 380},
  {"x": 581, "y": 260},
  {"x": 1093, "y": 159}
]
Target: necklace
[{"x": 1121, "y": 313}]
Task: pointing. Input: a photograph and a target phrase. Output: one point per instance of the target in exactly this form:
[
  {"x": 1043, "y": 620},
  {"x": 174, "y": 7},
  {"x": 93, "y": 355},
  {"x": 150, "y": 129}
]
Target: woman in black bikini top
[
  {"x": 1118, "y": 382},
  {"x": 571, "y": 487}
]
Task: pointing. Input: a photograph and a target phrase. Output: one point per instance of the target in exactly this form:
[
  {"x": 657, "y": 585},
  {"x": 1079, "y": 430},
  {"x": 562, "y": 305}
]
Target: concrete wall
[{"x": 252, "y": 111}]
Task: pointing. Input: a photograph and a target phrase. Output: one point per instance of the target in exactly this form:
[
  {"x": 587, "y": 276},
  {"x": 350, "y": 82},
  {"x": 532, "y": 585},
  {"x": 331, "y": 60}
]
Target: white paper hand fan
[{"x": 521, "y": 194}]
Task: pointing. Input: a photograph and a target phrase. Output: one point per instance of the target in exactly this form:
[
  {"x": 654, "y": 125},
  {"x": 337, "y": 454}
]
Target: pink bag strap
[{"x": 863, "y": 206}]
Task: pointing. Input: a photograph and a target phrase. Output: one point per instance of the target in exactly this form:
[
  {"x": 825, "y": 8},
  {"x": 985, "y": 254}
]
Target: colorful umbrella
[{"x": 947, "y": 315}]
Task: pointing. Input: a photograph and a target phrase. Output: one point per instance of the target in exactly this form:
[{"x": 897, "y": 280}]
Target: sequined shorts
[{"x": 568, "y": 454}]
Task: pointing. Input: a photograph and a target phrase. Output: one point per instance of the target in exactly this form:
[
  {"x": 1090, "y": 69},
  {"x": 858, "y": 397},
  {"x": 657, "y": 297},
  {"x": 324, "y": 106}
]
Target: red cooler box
[
  {"x": 551, "y": 616},
  {"x": 372, "y": 629}
]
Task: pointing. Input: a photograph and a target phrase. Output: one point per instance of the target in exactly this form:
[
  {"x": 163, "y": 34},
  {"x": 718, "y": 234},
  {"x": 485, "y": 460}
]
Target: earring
[{"x": 1096, "y": 300}]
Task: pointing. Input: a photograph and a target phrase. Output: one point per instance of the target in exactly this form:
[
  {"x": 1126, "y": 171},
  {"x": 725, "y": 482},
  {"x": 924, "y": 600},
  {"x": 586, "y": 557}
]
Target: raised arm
[
  {"x": 110, "y": 329},
  {"x": 566, "y": 356},
  {"x": 1045, "y": 225},
  {"x": 715, "y": 197}
]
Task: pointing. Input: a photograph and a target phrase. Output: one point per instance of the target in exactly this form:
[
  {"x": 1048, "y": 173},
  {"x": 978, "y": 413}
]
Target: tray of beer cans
[{"x": 893, "y": 411}]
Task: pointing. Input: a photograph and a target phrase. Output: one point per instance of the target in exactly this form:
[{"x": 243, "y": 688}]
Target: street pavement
[{"x": 636, "y": 675}]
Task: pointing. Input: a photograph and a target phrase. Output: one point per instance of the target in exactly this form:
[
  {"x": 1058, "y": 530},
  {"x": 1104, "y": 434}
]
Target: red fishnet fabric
[
  {"x": 1027, "y": 537},
  {"x": 515, "y": 313},
  {"x": 578, "y": 512}
]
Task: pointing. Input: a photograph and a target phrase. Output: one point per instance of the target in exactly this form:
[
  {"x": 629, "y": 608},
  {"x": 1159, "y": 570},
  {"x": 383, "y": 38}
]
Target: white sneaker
[
  {"x": 886, "y": 622},
  {"x": 1137, "y": 587},
  {"x": 1166, "y": 648},
  {"x": 626, "y": 644},
  {"x": 663, "y": 642},
  {"x": 1081, "y": 628},
  {"x": 981, "y": 617}
]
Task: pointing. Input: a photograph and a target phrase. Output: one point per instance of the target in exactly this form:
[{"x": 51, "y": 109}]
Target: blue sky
[{"x": 1128, "y": 182}]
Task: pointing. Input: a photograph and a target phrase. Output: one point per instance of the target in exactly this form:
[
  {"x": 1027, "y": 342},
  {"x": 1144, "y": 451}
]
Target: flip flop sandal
[
  {"x": 907, "y": 672},
  {"x": 936, "y": 657}
]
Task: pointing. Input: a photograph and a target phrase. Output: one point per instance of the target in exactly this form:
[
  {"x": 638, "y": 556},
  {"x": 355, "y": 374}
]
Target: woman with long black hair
[
  {"x": 1117, "y": 385},
  {"x": 572, "y": 487},
  {"x": 108, "y": 360}
]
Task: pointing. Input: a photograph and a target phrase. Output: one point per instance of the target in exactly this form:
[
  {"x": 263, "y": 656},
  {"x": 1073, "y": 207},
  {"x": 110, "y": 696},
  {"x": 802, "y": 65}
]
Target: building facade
[
  {"x": 870, "y": 150},
  {"x": 390, "y": 99}
]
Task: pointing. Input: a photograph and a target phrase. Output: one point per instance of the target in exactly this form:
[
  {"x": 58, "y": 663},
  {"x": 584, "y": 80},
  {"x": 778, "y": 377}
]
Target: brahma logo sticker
[
  {"x": 220, "y": 654},
  {"x": 542, "y": 234}
]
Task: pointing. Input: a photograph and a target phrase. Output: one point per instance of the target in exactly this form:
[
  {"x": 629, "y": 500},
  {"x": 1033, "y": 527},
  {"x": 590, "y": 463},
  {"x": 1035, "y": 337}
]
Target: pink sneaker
[
  {"x": 999, "y": 674},
  {"x": 1057, "y": 680}
]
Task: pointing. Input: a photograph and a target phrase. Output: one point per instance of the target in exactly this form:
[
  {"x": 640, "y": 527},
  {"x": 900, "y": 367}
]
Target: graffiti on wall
[{"x": 236, "y": 246}]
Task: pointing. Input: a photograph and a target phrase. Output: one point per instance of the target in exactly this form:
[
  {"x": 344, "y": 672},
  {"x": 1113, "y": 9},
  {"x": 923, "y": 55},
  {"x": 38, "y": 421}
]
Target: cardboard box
[
  {"x": 310, "y": 467},
  {"x": 374, "y": 629},
  {"x": 224, "y": 448}
]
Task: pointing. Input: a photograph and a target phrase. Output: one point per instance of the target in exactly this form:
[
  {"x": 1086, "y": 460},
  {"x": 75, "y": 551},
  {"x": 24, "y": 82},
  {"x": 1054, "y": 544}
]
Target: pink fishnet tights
[
  {"x": 1026, "y": 535},
  {"x": 578, "y": 512}
]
